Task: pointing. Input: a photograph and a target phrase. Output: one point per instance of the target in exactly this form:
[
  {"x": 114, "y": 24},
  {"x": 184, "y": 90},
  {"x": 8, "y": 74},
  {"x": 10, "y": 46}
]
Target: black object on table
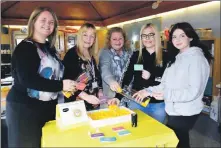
[{"x": 134, "y": 120}]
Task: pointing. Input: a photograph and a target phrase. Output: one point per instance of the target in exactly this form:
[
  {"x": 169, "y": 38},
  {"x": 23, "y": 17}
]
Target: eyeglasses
[{"x": 147, "y": 36}]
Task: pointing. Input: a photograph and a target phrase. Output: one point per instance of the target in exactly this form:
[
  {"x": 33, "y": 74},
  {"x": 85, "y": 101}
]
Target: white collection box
[{"x": 69, "y": 115}]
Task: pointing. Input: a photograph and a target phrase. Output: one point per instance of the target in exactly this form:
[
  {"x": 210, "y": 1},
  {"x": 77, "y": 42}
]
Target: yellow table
[{"x": 148, "y": 133}]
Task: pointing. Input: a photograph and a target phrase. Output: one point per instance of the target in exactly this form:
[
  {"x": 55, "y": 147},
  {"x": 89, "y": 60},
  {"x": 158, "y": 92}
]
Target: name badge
[
  {"x": 158, "y": 79},
  {"x": 94, "y": 85},
  {"x": 138, "y": 67}
]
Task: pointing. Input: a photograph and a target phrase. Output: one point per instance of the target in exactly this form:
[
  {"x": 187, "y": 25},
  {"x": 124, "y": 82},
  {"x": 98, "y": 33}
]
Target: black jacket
[
  {"x": 74, "y": 66},
  {"x": 149, "y": 64},
  {"x": 25, "y": 64}
]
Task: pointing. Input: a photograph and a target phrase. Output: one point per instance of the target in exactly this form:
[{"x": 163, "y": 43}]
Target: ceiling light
[{"x": 156, "y": 4}]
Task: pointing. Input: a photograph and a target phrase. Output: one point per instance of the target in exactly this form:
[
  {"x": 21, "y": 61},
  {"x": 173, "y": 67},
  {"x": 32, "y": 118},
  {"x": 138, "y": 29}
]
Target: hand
[
  {"x": 113, "y": 101},
  {"x": 69, "y": 85},
  {"x": 92, "y": 99},
  {"x": 114, "y": 86},
  {"x": 140, "y": 95},
  {"x": 158, "y": 95},
  {"x": 145, "y": 74}
]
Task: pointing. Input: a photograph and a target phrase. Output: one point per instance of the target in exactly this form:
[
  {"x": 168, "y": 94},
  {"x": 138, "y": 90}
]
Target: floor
[
  {"x": 199, "y": 140},
  {"x": 205, "y": 133}
]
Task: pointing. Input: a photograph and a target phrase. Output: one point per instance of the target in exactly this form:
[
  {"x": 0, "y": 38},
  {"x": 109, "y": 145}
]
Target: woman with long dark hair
[{"x": 184, "y": 81}]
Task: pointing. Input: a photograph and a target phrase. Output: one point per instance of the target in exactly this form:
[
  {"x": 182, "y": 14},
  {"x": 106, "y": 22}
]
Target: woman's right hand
[
  {"x": 140, "y": 95},
  {"x": 113, "y": 101},
  {"x": 114, "y": 86},
  {"x": 69, "y": 85}
]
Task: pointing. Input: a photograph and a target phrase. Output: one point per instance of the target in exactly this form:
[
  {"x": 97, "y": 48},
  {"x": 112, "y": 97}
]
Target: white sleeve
[
  {"x": 161, "y": 86},
  {"x": 198, "y": 74}
]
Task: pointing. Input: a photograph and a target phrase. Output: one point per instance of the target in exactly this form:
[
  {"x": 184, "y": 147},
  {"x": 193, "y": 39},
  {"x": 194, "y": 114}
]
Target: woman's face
[
  {"x": 180, "y": 39},
  {"x": 117, "y": 41},
  {"x": 44, "y": 24},
  {"x": 148, "y": 37},
  {"x": 88, "y": 38}
]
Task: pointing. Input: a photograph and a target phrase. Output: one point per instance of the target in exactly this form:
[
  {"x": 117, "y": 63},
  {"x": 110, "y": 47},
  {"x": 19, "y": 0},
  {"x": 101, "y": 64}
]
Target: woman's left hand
[
  {"x": 158, "y": 95},
  {"x": 145, "y": 74}
]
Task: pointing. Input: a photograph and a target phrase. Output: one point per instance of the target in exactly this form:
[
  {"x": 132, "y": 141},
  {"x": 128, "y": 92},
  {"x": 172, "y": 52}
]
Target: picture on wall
[
  {"x": 60, "y": 42},
  {"x": 17, "y": 37},
  {"x": 71, "y": 40}
]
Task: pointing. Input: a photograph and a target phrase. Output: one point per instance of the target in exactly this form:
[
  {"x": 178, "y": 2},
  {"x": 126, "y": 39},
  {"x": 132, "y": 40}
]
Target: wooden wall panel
[
  {"x": 101, "y": 39},
  {"x": 217, "y": 65}
]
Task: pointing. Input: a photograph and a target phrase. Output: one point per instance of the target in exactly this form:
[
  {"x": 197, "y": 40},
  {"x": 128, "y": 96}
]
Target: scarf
[{"x": 118, "y": 63}]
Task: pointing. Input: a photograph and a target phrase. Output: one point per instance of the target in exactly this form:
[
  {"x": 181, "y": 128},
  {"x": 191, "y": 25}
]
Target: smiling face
[
  {"x": 180, "y": 40},
  {"x": 88, "y": 38},
  {"x": 44, "y": 25},
  {"x": 117, "y": 41},
  {"x": 148, "y": 37}
]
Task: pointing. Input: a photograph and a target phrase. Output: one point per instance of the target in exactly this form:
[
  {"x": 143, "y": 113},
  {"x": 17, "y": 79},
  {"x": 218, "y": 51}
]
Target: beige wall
[
  {"x": 101, "y": 38},
  {"x": 205, "y": 16},
  {"x": 101, "y": 35}
]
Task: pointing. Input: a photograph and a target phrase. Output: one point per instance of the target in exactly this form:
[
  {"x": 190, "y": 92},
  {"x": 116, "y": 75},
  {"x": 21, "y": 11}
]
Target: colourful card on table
[
  {"x": 108, "y": 139},
  {"x": 124, "y": 132},
  {"x": 97, "y": 135},
  {"x": 116, "y": 129}
]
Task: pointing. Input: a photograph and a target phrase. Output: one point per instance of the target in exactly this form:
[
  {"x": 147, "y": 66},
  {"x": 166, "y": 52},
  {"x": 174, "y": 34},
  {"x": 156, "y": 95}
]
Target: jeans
[{"x": 155, "y": 110}]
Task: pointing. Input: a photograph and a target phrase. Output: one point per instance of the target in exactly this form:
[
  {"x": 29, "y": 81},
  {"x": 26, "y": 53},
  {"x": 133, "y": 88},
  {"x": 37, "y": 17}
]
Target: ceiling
[{"x": 75, "y": 13}]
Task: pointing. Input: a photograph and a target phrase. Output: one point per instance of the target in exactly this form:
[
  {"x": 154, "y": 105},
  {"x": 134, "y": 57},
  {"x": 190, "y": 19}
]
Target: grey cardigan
[{"x": 106, "y": 71}]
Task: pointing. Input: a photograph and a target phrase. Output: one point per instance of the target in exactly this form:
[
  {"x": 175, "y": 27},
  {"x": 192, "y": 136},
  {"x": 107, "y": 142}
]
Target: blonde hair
[
  {"x": 109, "y": 33},
  {"x": 93, "y": 49},
  {"x": 158, "y": 47},
  {"x": 34, "y": 17}
]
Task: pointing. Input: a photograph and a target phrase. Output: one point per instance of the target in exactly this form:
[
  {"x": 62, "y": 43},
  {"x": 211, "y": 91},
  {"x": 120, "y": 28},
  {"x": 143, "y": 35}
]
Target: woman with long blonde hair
[
  {"x": 146, "y": 68},
  {"x": 80, "y": 59}
]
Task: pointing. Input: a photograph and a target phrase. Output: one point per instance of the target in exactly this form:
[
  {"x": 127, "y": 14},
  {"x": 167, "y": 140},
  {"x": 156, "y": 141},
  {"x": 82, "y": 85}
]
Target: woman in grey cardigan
[{"x": 113, "y": 62}]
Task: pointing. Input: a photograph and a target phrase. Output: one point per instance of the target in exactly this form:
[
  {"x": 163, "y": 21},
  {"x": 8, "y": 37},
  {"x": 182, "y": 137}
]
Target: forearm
[
  {"x": 41, "y": 84},
  {"x": 83, "y": 95}
]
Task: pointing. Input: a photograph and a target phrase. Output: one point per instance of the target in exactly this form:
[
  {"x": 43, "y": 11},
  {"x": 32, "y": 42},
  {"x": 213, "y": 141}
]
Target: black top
[
  {"x": 74, "y": 66},
  {"x": 25, "y": 65},
  {"x": 149, "y": 63}
]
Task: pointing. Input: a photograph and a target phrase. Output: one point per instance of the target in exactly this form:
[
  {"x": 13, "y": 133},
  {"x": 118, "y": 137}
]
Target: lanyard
[{"x": 92, "y": 68}]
